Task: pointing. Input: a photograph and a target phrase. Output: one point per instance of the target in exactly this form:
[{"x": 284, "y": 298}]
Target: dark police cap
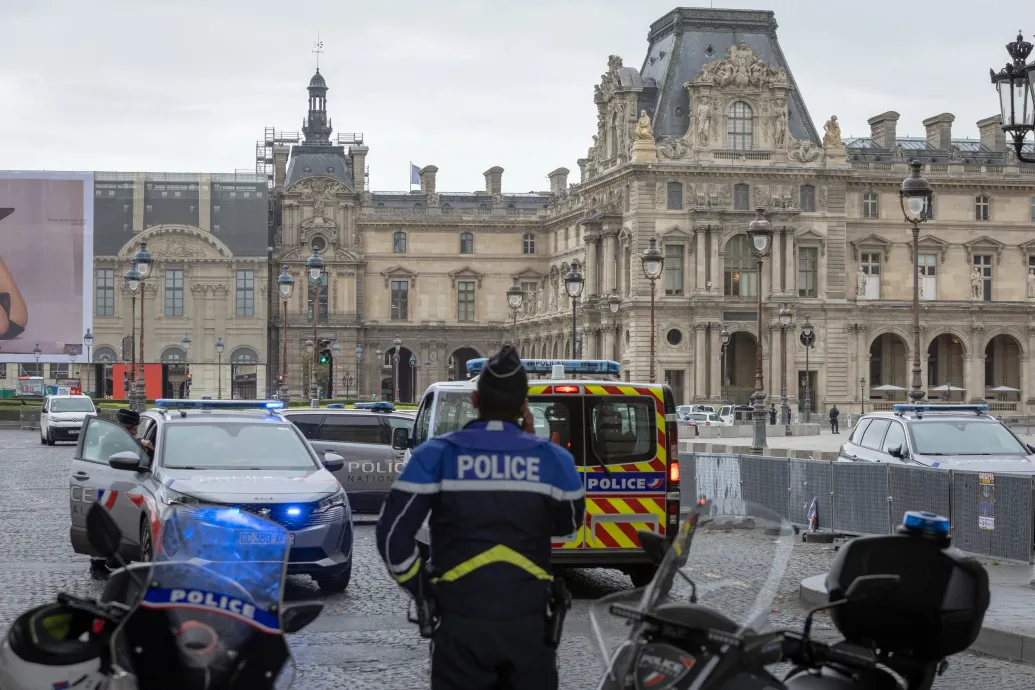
[
  {"x": 128, "y": 417},
  {"x": 503, "y": 382}
]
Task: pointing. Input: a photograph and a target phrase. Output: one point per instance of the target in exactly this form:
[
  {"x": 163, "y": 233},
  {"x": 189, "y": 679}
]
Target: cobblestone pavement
[{"x": 363, "y": 640}]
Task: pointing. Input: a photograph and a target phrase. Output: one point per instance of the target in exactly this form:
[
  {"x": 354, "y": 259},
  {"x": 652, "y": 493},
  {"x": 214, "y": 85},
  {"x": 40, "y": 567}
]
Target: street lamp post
[
  {"x": 653, "y": 263},
  {"x": 359, "y": 358},
  {"x": 72, "y": 354},
  {"x": 724, "y": 337},
  {"x": 346, "y": 379},
  {"x": 915, "y": 198},
  {"x": 133, "y": 281},
  {"x": 862, "y": 395},
  {"x": 395, "y": 367},
  {"x": 185, "y": 344},
  {"x": 286, "y": 286},
  {"x": 808, "y": 334},
  {"x": 219, "y": 368},
  {"x": 144, "y": 264},
  {"x": 1016, "y": 98},
  {"x": 314, "y": 267},
  {"x": 613, "y": 303},
  {"x": 332, "y": 367},
  {"x": 573, "y": 283},
  {"x": 761, "y": 234},
  {"x": 514, "y": 300},
  {"x": 413, "y": 377},
  {"x": 785, "y": 411},
  {"x": 88, "y": 341}
]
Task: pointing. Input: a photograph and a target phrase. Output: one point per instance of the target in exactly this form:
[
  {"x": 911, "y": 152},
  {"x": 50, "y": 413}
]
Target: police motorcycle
[
  {"x": 903, "y": 603},
  {"x": 207, "y": 614}
]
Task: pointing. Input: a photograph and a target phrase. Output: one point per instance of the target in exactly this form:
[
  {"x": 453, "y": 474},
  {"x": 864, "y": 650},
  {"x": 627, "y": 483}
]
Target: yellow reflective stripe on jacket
[
  {"x": 403, "y": 577},
  {"x": 497, "y": 554}
]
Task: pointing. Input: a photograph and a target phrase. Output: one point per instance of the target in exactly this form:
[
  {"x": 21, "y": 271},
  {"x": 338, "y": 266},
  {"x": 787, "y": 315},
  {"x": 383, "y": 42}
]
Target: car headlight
[
  {"x": 334, "y": 500},
  {"x": 175, "y": 498}
]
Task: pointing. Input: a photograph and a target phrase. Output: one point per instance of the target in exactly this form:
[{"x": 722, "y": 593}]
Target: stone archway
[
  {"x": 458, "y": 363},
  {"x": 244, "y": 372},
  {"x": 740, "y": 367},
  {"x": 945, "y": 367},
  {"x": 104, "y": 359},
  {"x": 405, "y": 386},
  {"x": 1003, "y": 370},
  {"x": 174, "y": 372},
  {"x": 889, "y": 366}
]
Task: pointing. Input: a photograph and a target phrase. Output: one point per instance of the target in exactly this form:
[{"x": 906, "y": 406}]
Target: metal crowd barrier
[
  {"x": 29, "y": 418},
  {"x": 991, "y": 514}
]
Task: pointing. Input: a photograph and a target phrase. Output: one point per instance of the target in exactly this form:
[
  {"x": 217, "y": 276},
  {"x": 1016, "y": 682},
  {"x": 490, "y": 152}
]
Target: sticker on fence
[
  {"x": 986, "y": 500},
  {"x": 718, "y": 476},
  {"x": 812, "y": 513}
]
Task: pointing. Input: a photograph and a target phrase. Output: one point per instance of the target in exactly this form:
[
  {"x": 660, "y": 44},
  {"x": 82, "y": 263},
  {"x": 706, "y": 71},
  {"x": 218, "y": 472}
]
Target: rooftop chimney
[
  {"x": 358, "y": 156},
  {"x": 939, "y": 131},
  {"x": 558, "y": 181},
  {"x": 882, "y": 129},
  {"x": 993, "y": 137},
  {"x": 427, "y": 179},
  {"x": 494, "y": 180}
]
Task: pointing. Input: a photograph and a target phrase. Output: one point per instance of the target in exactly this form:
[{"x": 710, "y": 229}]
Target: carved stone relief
[
  {"x": 821, "y": 198},
  {"x": 673, "y": 148},
  {"x": 804, "y": 151},
  {"x": 174, "y": 248},
  {"x": 741, "y": 67}
]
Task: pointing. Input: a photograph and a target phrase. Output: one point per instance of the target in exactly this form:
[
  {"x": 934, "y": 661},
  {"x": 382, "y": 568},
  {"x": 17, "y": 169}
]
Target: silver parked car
[
  {"x": 363, "y": 437},
  {"x": 213, "y": 452}
]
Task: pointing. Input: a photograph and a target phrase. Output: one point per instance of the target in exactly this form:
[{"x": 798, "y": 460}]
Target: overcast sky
[{"x": 190, "y": 85}]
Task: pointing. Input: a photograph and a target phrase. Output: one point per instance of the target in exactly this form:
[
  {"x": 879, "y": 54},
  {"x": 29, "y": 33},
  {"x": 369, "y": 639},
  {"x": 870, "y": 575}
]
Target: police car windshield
[
  {"x": 963, "y": 437},
  {"x": 455, "y": 409},
  {"x": 235, "y": 446},
  {"x": 71, "y": 405}
]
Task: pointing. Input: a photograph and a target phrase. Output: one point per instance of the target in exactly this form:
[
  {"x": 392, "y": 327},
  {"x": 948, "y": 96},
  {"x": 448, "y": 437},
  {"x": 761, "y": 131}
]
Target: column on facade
[
  {"x": 1025, "y": 377},
  {"x": 713, "y": 260},
  {"x": 609, "y": 343},
  {"x": 713, "y": 353},
  {"x": 700, "y": 363},
  {"x": 610, "y": 261},
  {"x": 969, "y": 374},
  {"x": 701, "y": 256},
  {"x": 788, "y": 263},
  {"x": 589, "y": 271}
]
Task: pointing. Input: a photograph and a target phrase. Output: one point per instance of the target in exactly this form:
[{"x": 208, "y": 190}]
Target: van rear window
[{"x": 623, "y": 430}]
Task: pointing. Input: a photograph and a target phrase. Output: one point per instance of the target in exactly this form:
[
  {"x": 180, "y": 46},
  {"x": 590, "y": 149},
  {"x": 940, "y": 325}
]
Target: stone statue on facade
[
  {"x": 920, "y": 280},
  {"x": 832, "y": 134},
  {"x": 1031, "y": 283},
  {"x": 539, "y": 301},
  {"x": 975, "y": 283},
  {"x": 704, "y": 121},
  {"x": 860, "y": 283},
  {"x": 643, "y": 128},
  {"x": 780, "y": 128}
]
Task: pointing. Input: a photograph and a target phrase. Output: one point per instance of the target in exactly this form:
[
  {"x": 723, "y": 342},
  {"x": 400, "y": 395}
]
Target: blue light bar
[
  {"x": 179, "y": 404},
  {"x": 926, "y": 522},
  {"x": 909, "y": 407},
  {"x": 382, "y": 406},
  {"x": 545, "y": 366}
]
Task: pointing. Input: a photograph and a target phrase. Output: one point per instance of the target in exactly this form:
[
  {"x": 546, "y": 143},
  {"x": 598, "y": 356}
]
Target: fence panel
[
  {"x": 993, "y": 518},
  {"x": 764, "y": 480},
  {"x": 918, "y": 488},
  {"x": 687, "y": 480},
  {"x": 808, "y": 480},
  {"x": 717, "y": 476},
  {"x": 29, "y": 418},
  {"x": 861, "y": 497}
]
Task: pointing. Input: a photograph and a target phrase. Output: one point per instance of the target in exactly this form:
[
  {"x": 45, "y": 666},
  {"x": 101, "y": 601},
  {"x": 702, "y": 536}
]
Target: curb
[{"x": 1002, "y": 644}]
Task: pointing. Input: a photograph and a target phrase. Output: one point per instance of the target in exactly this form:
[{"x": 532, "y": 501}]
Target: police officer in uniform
[{"x": 497, "y": 494}]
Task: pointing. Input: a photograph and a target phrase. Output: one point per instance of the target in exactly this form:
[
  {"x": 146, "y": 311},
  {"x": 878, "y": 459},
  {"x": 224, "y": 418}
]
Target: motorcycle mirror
[
  {"x": 102, "y": 533},
  {"x": 868, "y": 587},
  {"x": 655, "y": 545},
  {"x": 296, "y": 616}
]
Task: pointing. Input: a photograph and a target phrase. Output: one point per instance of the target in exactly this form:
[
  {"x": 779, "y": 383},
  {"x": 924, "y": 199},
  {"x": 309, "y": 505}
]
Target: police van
[{"x": 624, "y": 437}]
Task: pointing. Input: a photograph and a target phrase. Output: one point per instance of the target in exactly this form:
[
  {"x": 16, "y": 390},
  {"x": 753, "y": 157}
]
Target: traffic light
[
  {"x": 280, "y": 379},
  {"x": 324, "y": 356}
]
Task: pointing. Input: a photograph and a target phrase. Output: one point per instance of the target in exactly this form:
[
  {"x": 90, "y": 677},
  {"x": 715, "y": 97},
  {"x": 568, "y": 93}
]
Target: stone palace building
[{"x": 710, "y": 126}]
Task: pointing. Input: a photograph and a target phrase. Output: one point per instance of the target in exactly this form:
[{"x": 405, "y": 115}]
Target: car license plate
[
  {"x": 73, "y": 432},
  {"x": 266, "y": 538}
]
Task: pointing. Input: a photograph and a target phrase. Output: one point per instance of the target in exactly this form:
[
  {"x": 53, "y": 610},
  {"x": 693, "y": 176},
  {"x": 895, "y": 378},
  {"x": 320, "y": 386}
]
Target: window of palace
[
  {"x": 808, "y": 271},
  {"x": 871, "y": 205},
  {"x": 675, "y": 196},
  {"x": 981, "y": 205},
  {"x": 741, "y": 197},
  {"x": 674, "y": 269},
  {"x": 740, "y": 272},
  {"x": 739, "y": 126}
]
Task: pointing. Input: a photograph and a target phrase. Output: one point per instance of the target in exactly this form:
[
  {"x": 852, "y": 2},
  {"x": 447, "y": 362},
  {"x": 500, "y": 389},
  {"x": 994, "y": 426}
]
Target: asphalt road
[{"x": 362, "y": 640}]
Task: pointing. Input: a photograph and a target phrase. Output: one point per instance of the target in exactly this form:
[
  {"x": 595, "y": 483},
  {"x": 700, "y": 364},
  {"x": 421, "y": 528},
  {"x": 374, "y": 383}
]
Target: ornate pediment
[
  {"x": 527, "y": 274},
  {"x": 1027, "y": 249},
  {"x": 178, "y": 242},
  {"x": 317, "y": 188},
  {"x": 742, "y": 68},
  {"x": 985, "y": 244},
  {"x": 871, "y": 240},
  {"x": 399, "y": 273},
  {"x": 342, "y": 255},
  {"x": 936, "y": 243},
  {"x": 466, "y": 272},
  {"x": 811, "y": 237}
]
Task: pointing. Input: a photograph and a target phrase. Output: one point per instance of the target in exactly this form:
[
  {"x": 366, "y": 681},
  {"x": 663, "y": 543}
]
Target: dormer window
[{"x": 740, "y": 127}]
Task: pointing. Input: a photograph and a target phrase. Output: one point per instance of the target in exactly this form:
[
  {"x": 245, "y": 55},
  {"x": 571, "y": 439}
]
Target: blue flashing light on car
[
  {"x": 911, "y": 407},
  {"x": 545, "y": 366},
  {"x": 383, "y": 406},
  {"x": 926, "y": 522},
  {"x": 175, "y": 404},
  {"x": 293, "y": 511}
]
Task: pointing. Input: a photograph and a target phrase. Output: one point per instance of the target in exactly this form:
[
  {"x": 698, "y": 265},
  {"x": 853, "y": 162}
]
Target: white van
[{"x": 62, "y": 417}]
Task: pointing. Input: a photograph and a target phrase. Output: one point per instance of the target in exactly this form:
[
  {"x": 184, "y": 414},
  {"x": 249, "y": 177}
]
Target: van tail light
[
  {"x": 566, "y": 389},
  {"x": 673, "y": 472},
  {"x": 672, "y": 495}
]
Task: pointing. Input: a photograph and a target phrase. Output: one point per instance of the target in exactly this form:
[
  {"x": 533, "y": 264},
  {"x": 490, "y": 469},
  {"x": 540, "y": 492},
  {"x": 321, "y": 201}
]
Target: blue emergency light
[
  {"x": 926, "y": 522},
  {"x": 545, "y": 366},
  {"x": 382, "y": 406},
  {"x": 910, "y": 407},
  {"x": 175, "y": 404}
]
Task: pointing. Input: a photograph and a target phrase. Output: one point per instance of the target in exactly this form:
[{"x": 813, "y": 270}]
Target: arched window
[
  {"x": 739, "y": 127},
  {"x": 741, "y": 197},
  {"x": 399, "y": 242},
  {"x": 528, "y": 243},
  {"x": 244, "y": 355},
  {"x": 173, "y": 355},
  {"x": 740, "y": 277},
  {"x": 466, "y": 243},
  {"x": 105, "y": 355},
  {"x": 675, "y": 196},
  {"x": 244, "y": 375}
]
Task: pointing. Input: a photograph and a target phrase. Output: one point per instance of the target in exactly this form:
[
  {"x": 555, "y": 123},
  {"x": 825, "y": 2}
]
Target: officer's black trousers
[{"x": 478, "y": 654}]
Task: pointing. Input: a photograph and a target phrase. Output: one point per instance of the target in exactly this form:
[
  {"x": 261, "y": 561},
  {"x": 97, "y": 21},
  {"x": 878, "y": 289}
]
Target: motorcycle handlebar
[
  {"x": 808, "y": 652},
  {"x": 110, "y": 612}
]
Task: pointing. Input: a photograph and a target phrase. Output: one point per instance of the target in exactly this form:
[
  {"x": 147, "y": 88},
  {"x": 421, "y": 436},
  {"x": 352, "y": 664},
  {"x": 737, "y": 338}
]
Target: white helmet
[{"x": 52, "y": 647}]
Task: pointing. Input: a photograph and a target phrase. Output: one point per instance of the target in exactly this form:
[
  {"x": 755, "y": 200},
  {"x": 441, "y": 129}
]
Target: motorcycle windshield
[
  {"x": 210, "y": 614},
  {"x": 734, "y": 553}
]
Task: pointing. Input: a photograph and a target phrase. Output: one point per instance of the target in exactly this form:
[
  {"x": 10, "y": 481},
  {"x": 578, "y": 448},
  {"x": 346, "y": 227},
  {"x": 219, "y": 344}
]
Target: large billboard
[{"x": 46, "y": 263}]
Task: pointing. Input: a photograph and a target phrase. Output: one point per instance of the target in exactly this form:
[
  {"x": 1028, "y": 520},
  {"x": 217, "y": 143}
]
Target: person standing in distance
[{"x": 497, "y": 493}]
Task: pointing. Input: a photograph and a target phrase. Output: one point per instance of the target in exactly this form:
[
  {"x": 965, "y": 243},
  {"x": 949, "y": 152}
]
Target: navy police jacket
[{"x": 496, "y": 496}]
